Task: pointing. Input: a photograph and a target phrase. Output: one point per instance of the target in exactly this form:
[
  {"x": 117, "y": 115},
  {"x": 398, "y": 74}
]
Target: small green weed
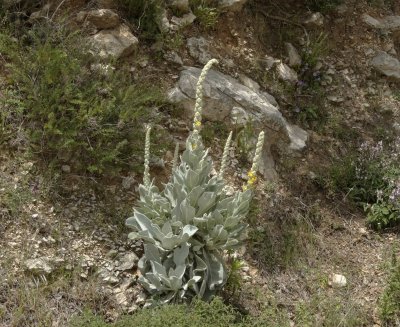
[
  {"x": 310, "y": 109},
  {"x": 340, "y": 129},
  {"x": 389, "y": 304},
  {"x": 370, "y": 177},
  {"x": 317, "y": 49},
  {"x": 173, "y": 41},
  {"x": 285, "y": 242},
  {"x": 206, "y": 12},
  {"x": 381, "y": 3},
  {"x": 212, "y": 130},
  {"x": 234, "y": 281},
  {"x": 330, "y": 312},
  {"x": 323, "y": 5},
  {"x": 245, "y": 141},
  {"x": 396, "y": 95},
  {"x": 90, "y": 118}
]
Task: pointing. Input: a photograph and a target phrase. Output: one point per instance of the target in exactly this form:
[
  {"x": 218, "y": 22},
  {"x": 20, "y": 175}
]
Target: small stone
[
  {"x": 112, "y": 253},
  {"x": 396, "y": 127},
  {"x": 386, "y": 64},
  {"x": 121, "y": 299},
  {"x": 133, "y": 308},
  {"x": 66, "y": 168},
  {"x": 103, "y": 18},
  {"x": 173, "y": 57},
  {"x": 363, "y": 231},
  {"x": 341, "y": 9},
  {"x": 335, "y": 99},
  {"x": 127, "y": 182},
  {"x": 315, "y": 20},
  {"x": 337, "y": 280},
  {"x": 127, "y": 283},
  {"x": 185, "y": 20},
  {"x": 312, "y": 175},
  {"x": 293, "y": 54},
  {"x": 285, "y": 73},
  {"x": 388, "y": 23},
  {"x": 39, "y": 266},
  {"x": 110, "y": 279},
  {"x": 141, "y": 298},
  {"x": 127, "y": 262},
  {"x": 199, "y": 49}
]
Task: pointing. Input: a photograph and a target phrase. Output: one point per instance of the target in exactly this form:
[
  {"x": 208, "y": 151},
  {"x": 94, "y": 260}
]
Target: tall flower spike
[
  {"x": 176, "y": 154},
  {"x": 225, "y": 156},
  {"x": 146, "y": 176},
  {"x": 257, "y": 154},
  {"x": 252, "y": 174},
  {"x": 199, "y": 96}
]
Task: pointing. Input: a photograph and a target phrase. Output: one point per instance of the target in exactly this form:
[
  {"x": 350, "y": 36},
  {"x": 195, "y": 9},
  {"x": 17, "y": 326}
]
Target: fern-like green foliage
[{"x": 187, "y": 226}]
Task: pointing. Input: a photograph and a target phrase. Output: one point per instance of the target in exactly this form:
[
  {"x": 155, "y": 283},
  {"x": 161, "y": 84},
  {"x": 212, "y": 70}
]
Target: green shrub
[
  {"x": 90, "y": 117},
  {"x": 309, "y": 94},
  {"x": 187, "y": 227},
  {"x": 371, "y": 178}
]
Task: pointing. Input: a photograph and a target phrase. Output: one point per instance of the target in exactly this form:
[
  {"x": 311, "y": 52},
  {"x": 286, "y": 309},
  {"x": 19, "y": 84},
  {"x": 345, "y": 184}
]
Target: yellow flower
[
  {"x": 251, "y": 174},
  {"x": 197, "y": 123},
  {"x": 194, "y": 146},
  {"x": 252, "y": 180},
  {"x": 244, "y": 187}
]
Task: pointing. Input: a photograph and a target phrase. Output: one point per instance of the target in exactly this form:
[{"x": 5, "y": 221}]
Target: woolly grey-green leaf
[{"x": 187, "y": 227}]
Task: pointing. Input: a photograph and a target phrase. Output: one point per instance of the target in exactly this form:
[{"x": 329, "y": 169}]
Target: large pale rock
[
  {"x": 225, "y": 99},
  {"x": 117, "y": 43},
  {"x": 231, "y": 5},
  {"x": 103, "y": 18},
  {"x": 386, "y": 64},
  {"x": 389, "y": 23}
]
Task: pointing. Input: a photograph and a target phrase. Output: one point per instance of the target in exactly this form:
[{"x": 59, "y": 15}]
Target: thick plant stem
[
  {"x": 199, "y": 96},
  {"x": 146, "y": 176},
  {"x": 176, "y": 154},
  {"x": 225, "y": 156}
]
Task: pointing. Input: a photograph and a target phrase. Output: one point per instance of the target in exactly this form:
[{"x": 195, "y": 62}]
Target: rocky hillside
[{"x": 81, "y": 80}]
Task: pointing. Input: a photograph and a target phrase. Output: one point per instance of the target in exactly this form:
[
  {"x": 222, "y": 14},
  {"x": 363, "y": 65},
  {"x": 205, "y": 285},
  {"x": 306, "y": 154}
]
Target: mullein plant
[{"x": 187, "y": 227}]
